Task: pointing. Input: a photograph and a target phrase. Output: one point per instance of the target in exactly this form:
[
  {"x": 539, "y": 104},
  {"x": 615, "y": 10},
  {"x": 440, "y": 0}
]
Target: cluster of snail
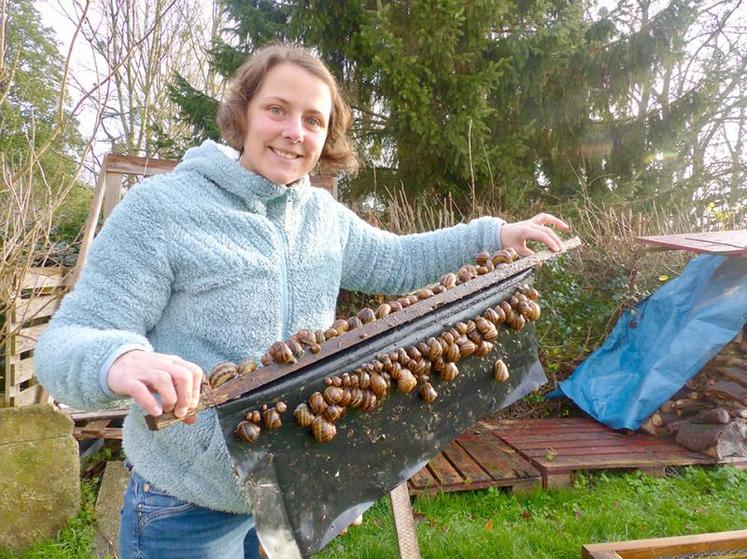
[{"x": 407, "y": 368}]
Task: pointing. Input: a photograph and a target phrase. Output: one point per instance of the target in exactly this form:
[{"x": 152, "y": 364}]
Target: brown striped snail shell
[
  {"x": 346, "y": 397},
  {"x": 500, "y": 371},
  {"x": 333, "y": 413},
  {"x": 518, "y": 322},
  {"x": 271, "y": 419},
  {"x": 501, "y": 257},
  {"x": 333, "y": 394},
  {"x": 330, "y": 333},
  {"x": 319, "y": 336},
  {"x": 404, "y": 301},
  {"x": 535, "y": 311},
  {"x": 482, "y": 324},
  {"x": 402, "y": 356},
  {"x": 266, "y": 359},
  {"x": 507, "y": 310},
  {"x": 424, "y": 293},
  {"x": 512, "y": 253},
  {"x": 475, "y": 337},
  {"x": 247, "y": 367},
  {"x": 462, "y": 328},
  {"x": 364, "y": 379},
  {"x": 377, "y": 365},
  {"x": 366, "y": 315},
  {"x": 482, "y": 270},
  {"x": 466, "y": 272},
  {"x": 467, "y": 348},
  {"x": 492, "y": 316},
  {"x": 354, "y": 322},
  {"x": 378, "y": 385},
  {"x": 438, "y": 289},
  {"x": 533, "y": 294},
  {"x": 449, "y": 372},
  {"x": 395, "y": 371},
  {"x": 281, "y": 407},
  {"x": 434, "y": 349},
  {"x": 295, "y": 346},
  {"x": 222, "y": 373},
  {"x": 369, "y": 401},
  {"x": 427, "y": 392},
  {"x": 356, "y": 397},
  {"x": 323, "y": 430},
  {"x": 336, "y": 381},
  {"x": 341, "y": 325},
  {"x": 413, "y": 299},
  {"x": 449, "y": 280},
  {"x": 383, "y": 310},
  {"x": 306, "y": 337},
  {"x": 452, "y": 353},
  {"x": 413, "y": 352},
  {"x": 317, "y": 403},
  {"x": 490, "y": 334},
  {"x": 303, "y": 415},
  {"x": 247, "y": 431},
  {"x": 482, "y": 257},
  {"x": 448, "y": 337},
  {"x": 483, "y": 348},
  {"x": 422, "y": 367},
  {"x": 406, "y": 382},
  {"x": 438, "y": 364},
  {"x": 395, "y": 306},
  {"x": 253, "y": 416},
  {"x": 422, "y": 348},
  {"x": 281, "y": 353},
  {"x": 346, "y": 379}
]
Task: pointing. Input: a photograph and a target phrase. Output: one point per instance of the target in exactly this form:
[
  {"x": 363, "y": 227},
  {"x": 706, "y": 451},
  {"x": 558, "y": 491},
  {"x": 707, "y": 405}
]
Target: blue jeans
[{"x": 155, "y": 525}]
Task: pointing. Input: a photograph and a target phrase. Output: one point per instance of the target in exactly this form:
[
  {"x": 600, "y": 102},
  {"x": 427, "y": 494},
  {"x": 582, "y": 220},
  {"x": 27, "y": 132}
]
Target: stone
[
  {"x": 108, "y": 506},
  {"x": 39, "y": 474}
]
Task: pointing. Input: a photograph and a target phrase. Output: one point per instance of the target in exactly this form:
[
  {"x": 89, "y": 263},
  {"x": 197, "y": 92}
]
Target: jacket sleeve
[
  {"x": 119, "y": 297},
  {"x": 376, "y": 261}
]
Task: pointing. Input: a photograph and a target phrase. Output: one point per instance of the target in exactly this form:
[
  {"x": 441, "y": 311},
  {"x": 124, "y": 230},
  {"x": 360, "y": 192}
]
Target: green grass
[
  {"x": 492, "y": 524},
  {"x": 555, "y": 524}
]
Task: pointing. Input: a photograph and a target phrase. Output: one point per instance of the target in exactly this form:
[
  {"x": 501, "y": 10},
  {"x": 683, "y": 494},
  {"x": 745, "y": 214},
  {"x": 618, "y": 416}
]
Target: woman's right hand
[{"x": 139, "y": 374}]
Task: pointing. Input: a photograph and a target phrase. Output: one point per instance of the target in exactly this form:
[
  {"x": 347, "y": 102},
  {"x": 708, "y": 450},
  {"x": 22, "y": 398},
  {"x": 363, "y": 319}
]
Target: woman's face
[{"x": 287, "y": 122}]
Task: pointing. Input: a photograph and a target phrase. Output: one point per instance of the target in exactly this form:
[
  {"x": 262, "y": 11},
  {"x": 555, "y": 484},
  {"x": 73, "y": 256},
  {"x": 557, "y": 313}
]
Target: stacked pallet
[{"x": 709, "y": 413}]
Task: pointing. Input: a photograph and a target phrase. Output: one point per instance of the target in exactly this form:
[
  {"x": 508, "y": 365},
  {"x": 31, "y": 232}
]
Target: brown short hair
[{"x": 337, "y": 154}]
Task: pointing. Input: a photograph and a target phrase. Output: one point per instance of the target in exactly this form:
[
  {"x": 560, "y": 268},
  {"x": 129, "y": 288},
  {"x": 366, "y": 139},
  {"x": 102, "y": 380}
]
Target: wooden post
[{"x": 404, "y": 522}]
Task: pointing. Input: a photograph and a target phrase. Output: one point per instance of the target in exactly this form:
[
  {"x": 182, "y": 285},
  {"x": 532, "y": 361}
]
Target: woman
[{"x": 216, "y": 261}]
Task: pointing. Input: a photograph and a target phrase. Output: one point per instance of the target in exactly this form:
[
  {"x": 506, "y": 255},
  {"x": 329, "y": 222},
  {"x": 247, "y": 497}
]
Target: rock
[
  {"x": 39, "y": 476},
  {"x": 108, "y": 505}
]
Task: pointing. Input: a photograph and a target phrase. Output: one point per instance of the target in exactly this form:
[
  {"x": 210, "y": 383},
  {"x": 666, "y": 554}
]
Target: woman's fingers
[
  {"x": 516, "y": 235},
  {"x": 144, "y": 398},
  {"x": 549, "y": 219}
]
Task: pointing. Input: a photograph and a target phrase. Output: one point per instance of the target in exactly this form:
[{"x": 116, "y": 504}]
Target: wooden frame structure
[{"x": 730, "y": 544}]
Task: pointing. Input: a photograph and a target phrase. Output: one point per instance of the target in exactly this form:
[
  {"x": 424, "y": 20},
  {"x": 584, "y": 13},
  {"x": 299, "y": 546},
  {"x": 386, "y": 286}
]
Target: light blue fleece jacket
[{"x": 212, "y": 262}]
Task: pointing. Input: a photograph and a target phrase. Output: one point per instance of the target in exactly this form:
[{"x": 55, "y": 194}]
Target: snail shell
[
  {"x": 512, "y": 254},
  {"x": 406, "y": 382},
  {"x": 422, "y": 367},
  {"x": 449, "y": 280},
  {"x": 452, "y": 353},
  {"x": 424, "y": 293},
  {"x": 475, "y": 337},
  {"x": 365, "y": 379},
  {"x": 317, "y": 403},
  {"x": 482, "y": 324},
  {"x": 490, "y": 334},
  {"x": 422, "y": 348},
  {"x": 438, "y": 365},
  {"x": 413, "y": 352},
  {"x": 222, "y": 373},
  {"x": 434, "y": 349},
  {"x": 493, "y": 316},
  {"x": 346, "y": 397},
  {"x": 319, "y": 336},
  {"x": 507, "y": 310},
  {"x": 323, "y": 430},
  {"x": 247, "y": 367},
  {"x": 449, "y": 372},
  {"x": 518, "y": 322},
  {"x": 533, "y": 294},
  {"x": 253, "y": 416},
  {"x": 333, "y": 413},
  {"x": 483, "y": 348},
  {"x": 466, "y": 272},
  {"x": 303, "y": 415},
  {"x": 281, "y": 353},
  {"x": 413, "y": 299},
  {"x": 354, "y": 322},
  {"x": 341, "y": 325},
  {"x": 272, "y": 419},
  {"x": 467, "y": 348},
  {"x": 356, "y": 397},
  {"x": 383, "y": 310},
  {"x": 462, "y": 328},
  {"x": 378, "y": 385},
  {"x": 330, "y": 333},
  {"x": 369, "y": 401},
  {"x": 377, "y": 365},
  {"x": 448, "y": 337},
  {"x": 437, "y": 289},
  {"x": 535, "y": 312},
  {"x": 333, "y": 394},
  {"x": 482, "y": 257},
  {"x": 366, "y": 315},
  {"x": 296, "y": 348},
  {"x": 404, "y": 302},
  {"x": 346, "y": 379},
  {"x": 247, "y": 431},
  {"x": 482, "y": 270},
  {"x": 427, "y": 392},
  {"x": 266, "y": 359},
  {"x": 281, "y": 407},
  {"x": 501, "y": 257},
  {"x": 395, "y": 306},
  {"x": 500, "y": 371},
  {"x": 395, "y": 371}
]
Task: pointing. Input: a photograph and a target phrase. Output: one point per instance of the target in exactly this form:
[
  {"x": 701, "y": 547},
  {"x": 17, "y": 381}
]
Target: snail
[
  {"x": 333, "y": 413},
  {"x": 253, "y": 416},
  {"x": 501, "y": 257},
  {"x": 354, "y": 322},
  {"x": 281, "y": 353},
  {"x": 434, "y": 349},
  {"x": 438, "y": 289},
  {"x": 295, "y": 346},
  {"x": 449, "y": 280},
  {"x": 333, "y": 394},
  {"x": 303, "y": 415},
  {"x": 383, "y": 310},
  {"x": 369, "y": 401},
  {"x": 271, "y": 419},
  {"x": 500, "y": 371},
  {"x": 406, "y": 382},
  {"x": 484, "y": 348},
  {"x": 427, "y": 392},
  {"x": 482, "y": 258},
  {"x": 518, "y": 322},
  {"x": 422, "y": 366},
  {"x": 317, "y": 403},
  {"x": 366, "y": 315},
  {"x": 247, "y": 431},
  {"x": 222, "y": 373},
  {"x": 467, "y": 347},
  {"x": 356, "y": 397},
  {"x": 341, "y": 325},
  {"x": 247, "y": 367},
  {"x": 449, "y": 372},
  {"x": 424, "y": 293},
  {"x": 452, "y": 353},
  {"x": 323, "y": 430},
  {"x": 395, "y": 306},
  {"x": 378, "y": 385},
  {"x": 330, "y": 333},
  {"x": 364, "y": 379}
]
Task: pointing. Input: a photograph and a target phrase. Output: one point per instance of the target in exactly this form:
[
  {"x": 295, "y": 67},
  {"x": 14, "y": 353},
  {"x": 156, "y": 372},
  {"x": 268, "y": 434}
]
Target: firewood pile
[{"x": 709, "y": 413}]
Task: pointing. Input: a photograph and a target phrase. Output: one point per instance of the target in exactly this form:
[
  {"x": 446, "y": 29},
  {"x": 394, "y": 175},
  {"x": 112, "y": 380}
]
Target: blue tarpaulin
[{"x": 662, "y": 342}]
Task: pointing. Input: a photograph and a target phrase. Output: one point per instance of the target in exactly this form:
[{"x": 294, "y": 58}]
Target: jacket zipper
[{"x": 284, "y": 279}]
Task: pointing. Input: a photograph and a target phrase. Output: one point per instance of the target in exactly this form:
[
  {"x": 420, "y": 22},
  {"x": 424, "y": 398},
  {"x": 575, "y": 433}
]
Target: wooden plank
[
  {"x": 32, "y": 395},
  {"x": 671, "y": 546},
  {"x": 623, "y": 460},
  {"x": 444, "y": 472},
  {"x": 487, "y": 453},
  {"x": 468, "y": 468},
  {"x": 46, "y": 278},
  {"x": 35, "y": 307},
  {"x": 129, "y": 165},
  {"x": 404, "y": 523},
  {"x": 80, "y": 416},
  {"x": 112, "y": 192},
  {"x": 712, "y": 242},
  {"x": 20, "y": 370},
  {"x": 25, "y": 339},
  {"x": 95, "y": 428},
  {"x": 89, "y": 230},
  {"x": 422, "y": 480}
]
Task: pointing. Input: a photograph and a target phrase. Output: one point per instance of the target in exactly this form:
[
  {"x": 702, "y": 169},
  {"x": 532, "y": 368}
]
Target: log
[
  {"x": 690, "y": 407},
  {"x": 723, "y": 440},
  {"x": 667, "y": 407},
  {"x": 731, "y": 361},
  {"x": 730, "y": 390},
  {"x": 735, "y": 409},
  {"x": 734, "y": 374},
  {"x": 714, "y": 416},
  {"x": 650, "y": 429},
  {"x": 662, "y": 419}
]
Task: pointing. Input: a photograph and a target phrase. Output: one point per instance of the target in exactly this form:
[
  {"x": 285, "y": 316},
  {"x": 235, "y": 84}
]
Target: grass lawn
[{"x": 542, "y": 524}]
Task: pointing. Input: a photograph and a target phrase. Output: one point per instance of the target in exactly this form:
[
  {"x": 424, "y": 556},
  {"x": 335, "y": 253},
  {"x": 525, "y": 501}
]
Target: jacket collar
[{"x": 220, "y": 165}]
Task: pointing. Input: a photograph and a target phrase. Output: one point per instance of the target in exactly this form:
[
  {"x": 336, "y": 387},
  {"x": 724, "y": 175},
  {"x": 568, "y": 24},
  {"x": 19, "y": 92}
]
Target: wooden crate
[
  {"x": 36, "y": 297},
  {"x": 98, "y": 424},
  {"x": 719, "y": 544},
  {"x": 558, "y": 447},
  {"x": 475, "y": 460}
]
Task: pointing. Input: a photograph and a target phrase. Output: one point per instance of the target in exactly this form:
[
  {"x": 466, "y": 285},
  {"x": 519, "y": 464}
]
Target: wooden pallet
[
  {"x": 560, "y": 446},
  {"x": 98, "y": 425},
  {"x": 475, "y": 460},
  {"x": 729, "y": 243}
]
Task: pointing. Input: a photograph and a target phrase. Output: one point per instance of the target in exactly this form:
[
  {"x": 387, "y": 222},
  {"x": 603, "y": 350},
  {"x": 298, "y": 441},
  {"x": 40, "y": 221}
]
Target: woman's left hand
[{"x": 515, "y": 235}]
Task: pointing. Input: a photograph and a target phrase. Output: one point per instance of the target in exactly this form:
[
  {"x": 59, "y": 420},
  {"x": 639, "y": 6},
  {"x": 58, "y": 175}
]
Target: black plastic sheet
[{"x": 304, "y": 493}]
